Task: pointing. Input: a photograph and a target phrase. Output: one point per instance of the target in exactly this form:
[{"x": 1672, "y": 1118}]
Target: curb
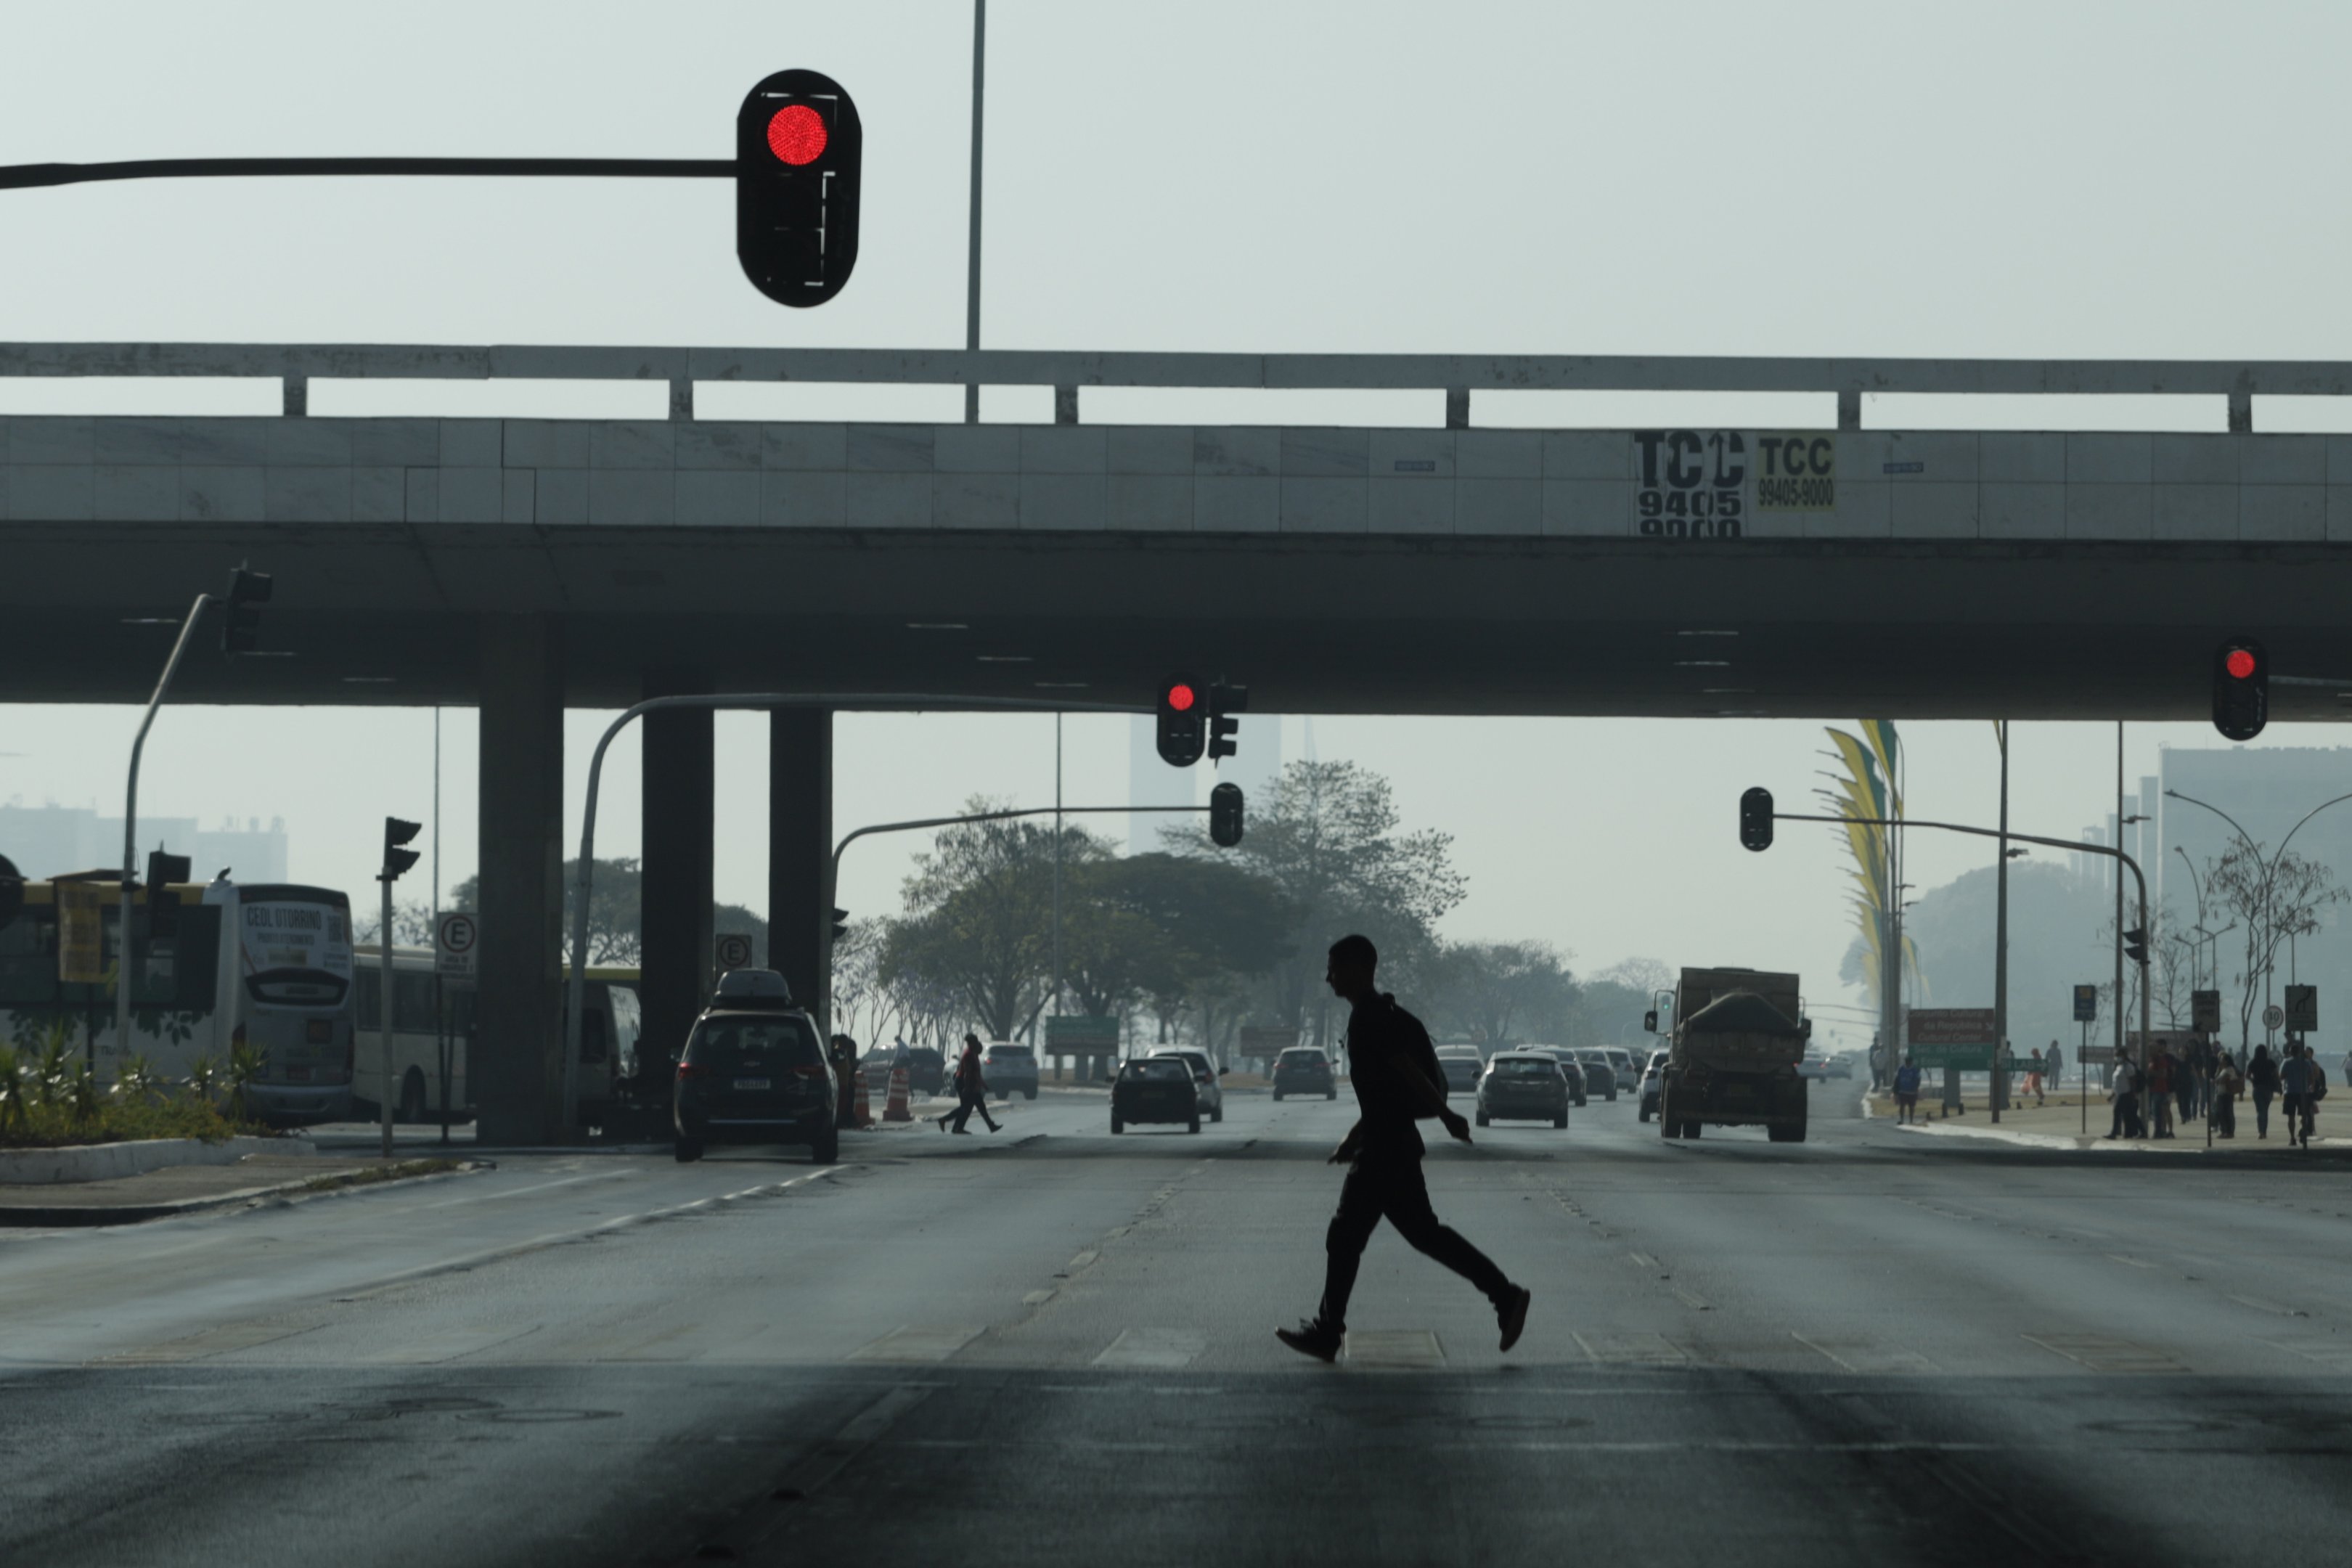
[
  {"x": 99, "y": 1216},
  {"x": 74, "y": 1163}
]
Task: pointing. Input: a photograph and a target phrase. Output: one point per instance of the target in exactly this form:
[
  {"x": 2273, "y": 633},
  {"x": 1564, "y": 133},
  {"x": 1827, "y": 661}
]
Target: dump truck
[{"x": 1736, "y": 1038}]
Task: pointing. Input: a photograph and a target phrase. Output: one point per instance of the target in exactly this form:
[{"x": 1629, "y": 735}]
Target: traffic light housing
[
  {"x": 1756, "y": 819},
  {"x": 2241, "y": 689},
  {"x": 1223, "y": 701},
  {"x": 840, "y": 924},
  {"x": 241, "y": 629},
  {"x": 162, "y": 904},
  {"x": 2136, "y": 945},
  {"x": 1226, "y": 815},
  {"x": 396, "y": 860},
  {"x": 798, "y": 150},
  {"x": 1183, "y": 702}
]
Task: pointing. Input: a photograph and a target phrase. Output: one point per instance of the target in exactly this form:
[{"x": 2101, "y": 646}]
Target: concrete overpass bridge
[{"x": 527, "y": 565}]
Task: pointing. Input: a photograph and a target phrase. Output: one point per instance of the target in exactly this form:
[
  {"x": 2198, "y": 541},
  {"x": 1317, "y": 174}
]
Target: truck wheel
[
  {"x": 688, "y": 1150},
  {"x": 1690, "y": 1129}
]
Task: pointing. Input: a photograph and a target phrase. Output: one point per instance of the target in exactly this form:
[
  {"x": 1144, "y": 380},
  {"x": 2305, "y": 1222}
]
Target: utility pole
[
  {"x": 2001, "y": 938},
  {"x": 2119, "y": 899},
  {"x": 123, "y": 971},
  {"x": 971, "y": 266},
  {"x": 1057, "y": 882}
]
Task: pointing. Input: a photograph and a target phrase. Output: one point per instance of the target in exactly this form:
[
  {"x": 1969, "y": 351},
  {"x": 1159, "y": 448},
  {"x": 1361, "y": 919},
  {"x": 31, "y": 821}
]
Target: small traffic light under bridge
[
  {"x": 1226, "y": 815},
  {"x": 2241, "y": 689},
  {"x": 1756, "y": 819},
  {"x": 1181, "y": 732}
]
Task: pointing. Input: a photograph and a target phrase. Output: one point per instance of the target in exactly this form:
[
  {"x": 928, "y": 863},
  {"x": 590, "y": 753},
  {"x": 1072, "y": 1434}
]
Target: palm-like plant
[
  {"x": 136, "y": 1081},
  {"x": 16, "y": 1083},
  {"x": 203, "y": 1077},
  {"x": 83, "y": 1097},
  {"x": 244, "y": 1064},
  {"x": 50, "y": 1074}
]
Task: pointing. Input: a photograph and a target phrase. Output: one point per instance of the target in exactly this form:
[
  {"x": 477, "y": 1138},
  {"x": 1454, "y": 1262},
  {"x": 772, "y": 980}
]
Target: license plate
[{"x": 754, "y": 1083}]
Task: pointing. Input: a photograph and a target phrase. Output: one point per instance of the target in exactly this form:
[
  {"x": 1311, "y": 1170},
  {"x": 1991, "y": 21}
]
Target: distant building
[{"x": 49, "y": 840}]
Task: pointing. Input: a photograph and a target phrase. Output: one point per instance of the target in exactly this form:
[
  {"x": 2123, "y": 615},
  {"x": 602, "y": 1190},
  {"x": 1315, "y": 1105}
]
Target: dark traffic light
[
  {"x": 1225, "y": 814},
  {"x": 162, "y": 904},
  {"x": 840, "y": 924},
  {"x": 2241, "y": 689},
  {"x": 1756, "y": 819},
  {"x": 1181, "y": 704},
  {"x": 2136, "y": 945},
  {"x": 798, "y": 149},
  {"x": 1223, "y": 701},
  {"x": 247, "y": 592},
  {"x": 396, "y": 860}
]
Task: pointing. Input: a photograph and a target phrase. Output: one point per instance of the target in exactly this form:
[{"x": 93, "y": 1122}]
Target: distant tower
[{"x": 1151, "y": 782}]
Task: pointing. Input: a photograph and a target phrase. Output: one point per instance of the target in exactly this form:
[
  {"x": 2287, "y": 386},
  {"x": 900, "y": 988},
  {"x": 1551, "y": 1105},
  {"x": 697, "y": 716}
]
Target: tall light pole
[
  {"x": 2000, "y": 936},
  {"x": 972, "y": 265},
  {"x": 2270, "y": 872}
]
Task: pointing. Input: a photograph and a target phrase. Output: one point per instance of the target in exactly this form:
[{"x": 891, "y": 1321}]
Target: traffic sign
[
  {"x": 1958, "y": 1037},
  {"x": 2205, "y": 1012},
  {"x": 2096, "y": 1055},
  {"x": 2086, "y": 1003},
  {"x": 734, "y": 951},
  {"x": 2302, "y": 1008},
  {"x": 455, "y": 938},
  {"x": 81, "y": 934},
  {"x": 2273, "y": 1015},
  {"x": 1081, "y": 1032}
]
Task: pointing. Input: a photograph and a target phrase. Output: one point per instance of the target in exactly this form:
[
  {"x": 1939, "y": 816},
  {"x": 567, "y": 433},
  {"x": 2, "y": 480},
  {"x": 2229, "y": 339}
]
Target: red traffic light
[
  {"x": 1181, "y": 698},
  {"x": 796, "y": 134},
  {"x": 2241, "y": 664}
]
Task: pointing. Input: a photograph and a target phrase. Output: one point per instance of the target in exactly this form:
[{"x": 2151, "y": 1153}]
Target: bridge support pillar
[
  {"x": 516, "y": 1058},
  {"x": 678, "y": 774},
  {"x": 799, "y": 851}
]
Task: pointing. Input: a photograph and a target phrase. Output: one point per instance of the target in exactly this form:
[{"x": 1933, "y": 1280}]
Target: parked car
[
  {"x": 1570, "y": 1066},
  {"x": 1600, "y": 1072},
  {"x": 1652, "y": 1081},
  {"x": 1009, "y": 1069},
  {"x": 1154, "y": 1089},
  {"x": 1303, "y": 1069},
  {"x": 927, "y": 1070},
  {"x": 1524, "y": 1086},
  {"x": 752, "y": 1072},
  {"x": 1461, "y": 1065},
  {"x": 1205, "y": 1073}
]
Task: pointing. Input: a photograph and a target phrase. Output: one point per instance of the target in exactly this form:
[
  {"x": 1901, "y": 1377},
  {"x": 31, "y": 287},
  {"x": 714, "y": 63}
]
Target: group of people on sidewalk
[{"x": 2209, "y": 1080}]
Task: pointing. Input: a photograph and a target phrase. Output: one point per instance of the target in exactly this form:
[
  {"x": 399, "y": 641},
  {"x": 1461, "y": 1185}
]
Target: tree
[
  {"x": 2275, "y": 900},
  {"x": 1329, "y": 842},
  {"x": 412, "y": 924},
  {"x": 2056, "y": 920},
  {"x": 979, "y": 920},
  {"x": 1168, "y": 929},
  {"x": 1503, "y": 990},
  {"x": 616, "y": 911}
]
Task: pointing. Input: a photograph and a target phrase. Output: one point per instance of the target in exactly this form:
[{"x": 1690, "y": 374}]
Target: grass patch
[
  {"x": 372, "y": 1174},
  {"x": 120, "y": 1122}
]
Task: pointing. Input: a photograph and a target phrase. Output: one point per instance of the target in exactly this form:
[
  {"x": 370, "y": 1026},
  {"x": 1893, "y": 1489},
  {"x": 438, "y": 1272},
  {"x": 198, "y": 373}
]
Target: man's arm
[
  {"x": 1347, "y": 1149},
  {"x": 1430, "y": 1097}
]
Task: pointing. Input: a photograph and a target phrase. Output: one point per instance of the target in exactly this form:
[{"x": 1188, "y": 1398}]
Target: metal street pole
[
  {"x": 1057, "y": 880},
  {"x": 383, "y": 1037},
  {"x": 971, "y": 266},
  {"x": 2000, "y": 939},
  {"x": 124, "y": 969},
  {"x": 2119, "y": 905}
]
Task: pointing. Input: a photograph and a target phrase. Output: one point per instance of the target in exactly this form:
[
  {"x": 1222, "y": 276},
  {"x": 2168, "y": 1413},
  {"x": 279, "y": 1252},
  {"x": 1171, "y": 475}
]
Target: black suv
[
  {"x": 1303, "y": 1069},
  {"x": 1154, "y": 1089},
  {"x": 752, "y": 1072}
]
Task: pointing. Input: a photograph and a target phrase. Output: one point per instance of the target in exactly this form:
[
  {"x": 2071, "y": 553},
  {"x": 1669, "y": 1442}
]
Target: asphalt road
[{"x": 1055, "y": 1346}]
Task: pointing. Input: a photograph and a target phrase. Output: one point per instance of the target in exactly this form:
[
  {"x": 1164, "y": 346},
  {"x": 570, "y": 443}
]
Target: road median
[{"x": 175, "y": 1190}]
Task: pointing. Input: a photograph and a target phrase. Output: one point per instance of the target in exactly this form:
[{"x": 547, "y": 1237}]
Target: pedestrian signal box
[
  {"x": 798, "y": 148},
  {"x": 1756, "y": 819}
]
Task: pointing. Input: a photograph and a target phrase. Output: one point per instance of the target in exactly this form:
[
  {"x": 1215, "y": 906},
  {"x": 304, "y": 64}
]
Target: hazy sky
[{"x": 2127, "y": 180}]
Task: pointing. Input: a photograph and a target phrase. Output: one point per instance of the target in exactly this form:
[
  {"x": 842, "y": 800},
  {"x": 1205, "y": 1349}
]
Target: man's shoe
[
  {"x": 1311, "y": 1338},
  {"x": 1512, "y": 1315}
]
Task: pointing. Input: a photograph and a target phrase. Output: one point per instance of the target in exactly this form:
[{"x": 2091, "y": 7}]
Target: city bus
[
  {"x": 428, "y": 1009},
  {"x": 266, "y": 966}
]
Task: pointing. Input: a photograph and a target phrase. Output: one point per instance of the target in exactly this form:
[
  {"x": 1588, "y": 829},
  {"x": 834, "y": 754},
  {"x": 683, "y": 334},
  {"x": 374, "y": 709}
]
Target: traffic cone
[
  {"x": 865, "y": 1101},
  {"x": 894, "y": 1109}
]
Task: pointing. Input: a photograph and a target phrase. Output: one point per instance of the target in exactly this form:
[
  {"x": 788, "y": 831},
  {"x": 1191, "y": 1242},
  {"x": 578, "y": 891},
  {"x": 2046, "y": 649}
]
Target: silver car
[{"x": 1207, "y": 1091}]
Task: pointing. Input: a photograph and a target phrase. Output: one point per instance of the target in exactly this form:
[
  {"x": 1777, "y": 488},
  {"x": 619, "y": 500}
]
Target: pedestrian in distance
[
  {"x": 2186, "y": 1072},
  {"x": 2156, "y": 1089},
  {"x": 1395, "y": 1068},
  {"x": 2294, "y": 1077},
  {"x": 2033, "y": 1075},
  {"x": 1907, "y": 1091},
  {"x": 2315, "y": 1090},
  {"x": 2262, "y": 1083},
  {"x": 2053, "y": 1065},
  {"x": 971, "y": 1091},
  {"x": 2123, "y": 1089},
  {"x": 2228, "y": 1084}
]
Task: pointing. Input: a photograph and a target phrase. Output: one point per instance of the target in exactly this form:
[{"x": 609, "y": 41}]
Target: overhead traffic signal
[
  {"x": 2136, "y": 945},
  {"x": 1183, "y": 703},
  {"x": 163, "y": 871},
  {"x": 798, "y": 150},
  {"x": 2241, "y": 689},
  {"x": 1756, "y": 819},
  {"x": 840, "y": 924},
  {"x": 1226, "y": 815},
  {"x": 396, "y": 860},
  {"x": 247, "y": 592},
  {"x": 1223, "y": 701}
]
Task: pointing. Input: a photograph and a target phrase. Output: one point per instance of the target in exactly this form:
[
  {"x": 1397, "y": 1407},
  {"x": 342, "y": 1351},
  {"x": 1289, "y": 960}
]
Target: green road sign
[
  {"x": 1081, "y": 1032},
  {"x": 1975, "y": 1058}
]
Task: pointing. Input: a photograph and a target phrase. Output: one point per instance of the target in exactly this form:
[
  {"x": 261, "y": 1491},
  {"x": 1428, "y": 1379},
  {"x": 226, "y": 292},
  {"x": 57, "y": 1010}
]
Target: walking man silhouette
[{"x": 1397, "y": 1078}]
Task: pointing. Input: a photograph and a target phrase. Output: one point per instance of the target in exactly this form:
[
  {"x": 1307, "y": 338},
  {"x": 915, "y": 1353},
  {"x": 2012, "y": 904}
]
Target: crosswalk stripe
[
  {"x": 211, "y": 1342},
  {"x": 913, "y": 1344},
  {"x": 1401, "y": 1349},
  {"x": 1155, "y": 1350},
  {"x": 2103, "y": 1353},
  {"x": 1633, "y": 1350},
  {"x": 2328, "y": 1354},
  {"x": 1867, "y": 1356}
]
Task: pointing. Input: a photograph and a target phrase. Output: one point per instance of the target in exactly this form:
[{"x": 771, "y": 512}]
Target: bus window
[
  {"x": 28, "y": 959},
  {"x": 412, "y": 1004}
]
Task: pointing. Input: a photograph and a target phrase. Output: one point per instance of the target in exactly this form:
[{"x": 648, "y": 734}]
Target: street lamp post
[{"x": 2269, "y": 873}]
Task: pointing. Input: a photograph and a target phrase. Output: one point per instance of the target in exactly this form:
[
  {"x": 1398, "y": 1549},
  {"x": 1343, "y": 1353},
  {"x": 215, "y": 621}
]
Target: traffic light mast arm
[
  {"x": 122, "y": 966},
  {"x": 2116, "y": 853},
  {"x": 28, "y": 176}
]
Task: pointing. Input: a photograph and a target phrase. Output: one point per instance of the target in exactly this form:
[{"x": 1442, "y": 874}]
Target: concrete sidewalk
[
  {"x": 188, "y": 1189},
  {"x": 2059, "y": 1124}
]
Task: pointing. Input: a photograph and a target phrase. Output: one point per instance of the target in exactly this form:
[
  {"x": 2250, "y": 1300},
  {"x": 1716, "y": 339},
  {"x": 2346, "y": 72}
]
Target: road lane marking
[
  {"x": 1153, "y": 1350},
  {"x": 916, "y": 1344},
  {"x": 1867, "y": 1357},
  {"x": 2332, "y": 1355},
  {"x": 520, "y": 1192},
  {"x": 432, "y": 1349},
  {"x": 1403, "y": 1350},
  {"x": 2276, "y": 1309},
  {"x": 2103, "y": 1353},
  {"x": 1038, "y": 1298},
  {"x": 1631, "y": 1349},
  {"x": 1644, "y": 1260},
  {"x": 1691, "y": 1299},
  {"x": 2134, "y": 1262},
  {"x": 210, "y": 1343}
]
